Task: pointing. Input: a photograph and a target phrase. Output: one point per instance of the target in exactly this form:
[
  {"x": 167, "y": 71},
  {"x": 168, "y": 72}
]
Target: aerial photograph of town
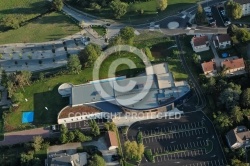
[{"x": 124, "y": 82}]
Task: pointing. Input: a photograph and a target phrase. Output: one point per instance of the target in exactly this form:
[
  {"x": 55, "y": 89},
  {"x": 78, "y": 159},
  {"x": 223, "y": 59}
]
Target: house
[
  {"x": 200, "y": 43},
  {"x": 209, "y": 68},
  {"x": 238, "y": 137},
  {"x": 234, "y": 66},
  {"x": 222, "y": 41},
  {"x": 111, "y": 139},
  {"x": 245, "y": 6},
  {"x": 64, "y": 159}
]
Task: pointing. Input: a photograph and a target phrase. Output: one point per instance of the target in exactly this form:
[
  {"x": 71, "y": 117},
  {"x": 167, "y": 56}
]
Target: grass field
[
  {"x": 50, "y": 27},
  {"x": 100, "y": 30},
  {"x": 23, "y": 10}
]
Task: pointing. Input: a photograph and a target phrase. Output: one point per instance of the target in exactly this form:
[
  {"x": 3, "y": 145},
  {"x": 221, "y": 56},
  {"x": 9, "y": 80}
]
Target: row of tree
[
  {"x": 72, "y": 136},
  {"x": 119, "y": 8}
]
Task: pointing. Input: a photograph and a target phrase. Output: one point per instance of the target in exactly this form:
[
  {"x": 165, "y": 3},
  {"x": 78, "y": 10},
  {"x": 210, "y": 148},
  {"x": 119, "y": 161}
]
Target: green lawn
[
  {"x": 100, "y": 30},
  {"x": 50, "y": 27},
  {"x": 22, "y": 9}
]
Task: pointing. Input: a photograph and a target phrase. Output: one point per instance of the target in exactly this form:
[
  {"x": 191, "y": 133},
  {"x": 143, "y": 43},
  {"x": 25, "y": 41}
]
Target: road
[{"x": 190, "y": 75}]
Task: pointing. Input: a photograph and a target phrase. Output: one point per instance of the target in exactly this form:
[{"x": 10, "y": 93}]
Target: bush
[
  {"x": 149, "y": 156},
  {"x": 148, "y": 53},
  {"x": 139, "y": 137}
]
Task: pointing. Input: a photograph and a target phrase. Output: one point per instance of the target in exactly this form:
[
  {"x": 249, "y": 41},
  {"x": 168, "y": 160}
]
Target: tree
[
  {"x": 27, "y": 157},
  {"x": 132, "y": 150},
  {"x": 97, "y": 161},
  {"x": 95, "y": 6},
  {"x": 63, "y": 138},
  {"x": 57, "y": 5},
  {"x": 119, "y": 8},
  {"x": 63, "y": 129},
  {"x": 222, "y": 121},
  {"x": 79, "y": 136},
  {"x": 26, "y": 76},
  {"x": 237, "y": 162},
  {"x": 236, "y": 114},
  {"x": 245, "y": 98},
  {"x": 162, "y": 4},
  {"x": 37, "y": 143},
  {"x": 11, "y": 21},
  {"x": 117, "y": 40},
  {"x": 229, "y": 97},
  {"x": 71, "y": 136},
  {"x": 243, "y": 35},
  {"x": 4, "y": 78},
  {"x": 200, "y": 17},
  {"x": 127, "y": 35},
  {"x": 89, "y": 55},
  {"x": 196, "y": 58},
  {"x": 176, "y": 53},
  {"x": 74, "y": 64},
  {"x": 17, "y": 97},
  {"x": 94, "y": 127},
  {"x": 110, "y": 126},
  {"x": 233, "y": 9},
  {"x": 10, "y": 88}
]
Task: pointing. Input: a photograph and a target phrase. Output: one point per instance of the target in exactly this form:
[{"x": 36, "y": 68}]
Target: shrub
[
  {"x": 149, "y": 156},
  {"x": 139, "y": 137}
]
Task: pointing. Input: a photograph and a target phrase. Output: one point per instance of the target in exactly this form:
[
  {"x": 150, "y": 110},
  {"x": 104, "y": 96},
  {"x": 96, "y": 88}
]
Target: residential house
[
  {"x": 238, "y": 137},
  {"x": 111, "y": 139},
  {"x": 209, "y": 68},
  {"x": 64, "y": 159},
  {"x": 245, "y": 6},
  {"x": 234, "y": 66},
  {"x": 222, "y": 41},
  {"x": 200, "y": 43}
]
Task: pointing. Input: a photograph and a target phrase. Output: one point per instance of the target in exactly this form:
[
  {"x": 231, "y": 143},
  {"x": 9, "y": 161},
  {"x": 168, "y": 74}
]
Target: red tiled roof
[
  {"x": 234, "y": 64},
  {"x": 224, "y": 37},
  {"x": 112, "y": 139},
  {"x": 208, "y": 66},
  {"x": 198, "y": 41}
]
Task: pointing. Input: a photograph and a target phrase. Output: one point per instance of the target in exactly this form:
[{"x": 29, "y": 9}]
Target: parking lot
[
  {"x": 216, "y": 15},
  {"x": 190, "y": 140}
]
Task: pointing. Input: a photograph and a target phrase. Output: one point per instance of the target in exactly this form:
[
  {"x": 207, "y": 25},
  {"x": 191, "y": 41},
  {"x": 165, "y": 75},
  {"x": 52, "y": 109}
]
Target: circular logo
[{"x": 125, "y": 91}]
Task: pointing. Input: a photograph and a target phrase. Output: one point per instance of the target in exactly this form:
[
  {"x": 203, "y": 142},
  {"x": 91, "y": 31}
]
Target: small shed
[{"x": 111, "y": 139}]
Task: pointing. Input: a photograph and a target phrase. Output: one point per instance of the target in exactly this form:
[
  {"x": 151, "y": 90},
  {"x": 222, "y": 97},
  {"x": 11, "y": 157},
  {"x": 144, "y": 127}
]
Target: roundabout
[{"x": 173, "y": 25}]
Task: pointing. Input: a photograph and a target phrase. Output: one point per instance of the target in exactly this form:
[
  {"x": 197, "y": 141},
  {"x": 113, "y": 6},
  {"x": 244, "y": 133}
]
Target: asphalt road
[{"x": 190, "y": 75}]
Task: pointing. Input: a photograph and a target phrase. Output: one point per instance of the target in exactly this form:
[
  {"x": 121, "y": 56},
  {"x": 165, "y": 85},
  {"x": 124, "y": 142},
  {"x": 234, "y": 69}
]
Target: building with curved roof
[{"x": 155, "y": 89}]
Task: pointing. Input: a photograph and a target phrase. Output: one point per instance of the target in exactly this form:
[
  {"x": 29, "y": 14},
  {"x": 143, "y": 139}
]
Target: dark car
[{"x": 115, "y": 157}]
